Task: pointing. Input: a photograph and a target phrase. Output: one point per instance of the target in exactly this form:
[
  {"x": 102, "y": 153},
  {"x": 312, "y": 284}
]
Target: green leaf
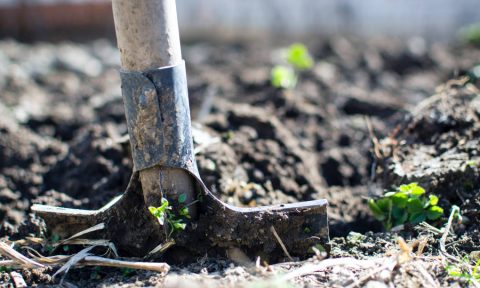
[
  {"x": 405, "y": 188},
  {"x": 389, "y": 194},
  {"x": 432, "y": 200},
  {"x": 385, "y": 204},
  {"x": 152, "y": 210},
  {"x": 184, "y": 212},
  {"x": 178, "y": 225},
  {"x": 414, "y": 205},
  {"x": 434, "y": 212},
  {"x": 377, "y": 212},
  {"x": 388, "y": 225},
  {"x": 182, "y": 198},
  {"x": 399, "y": 215},
  {"x": 400, "y": 199},
  {"x": 163, "y": 207},
  {"x": 417, "y": 190},
  {"x": 417, "y": 218},
  {"x": 283, "y": 77},
  {"x": 298, "y": 57}
]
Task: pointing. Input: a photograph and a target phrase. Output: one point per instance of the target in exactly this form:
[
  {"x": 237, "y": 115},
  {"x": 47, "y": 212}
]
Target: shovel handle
[
  {"x": 148, "y": 38},
  {"x": 147, "y": 33}
]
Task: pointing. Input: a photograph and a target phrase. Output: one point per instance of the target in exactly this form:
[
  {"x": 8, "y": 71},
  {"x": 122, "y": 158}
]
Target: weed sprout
[
  {"x": 296, "y": 58},
  {"x": 408, "y": 204}
]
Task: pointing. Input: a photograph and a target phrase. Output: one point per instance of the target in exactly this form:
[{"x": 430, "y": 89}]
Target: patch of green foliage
[
  {"x": 54, "y": 238},
  {"x": 296, "y": 58},
  {"x": 408, "y": 204},
  {"x": 164, "y": 213},
  {"x": 471, "y": 34},
  {"x": 464, "y": 270},
  {"x": 6, "y": 269},
  {"x": 283, "y": 77}
]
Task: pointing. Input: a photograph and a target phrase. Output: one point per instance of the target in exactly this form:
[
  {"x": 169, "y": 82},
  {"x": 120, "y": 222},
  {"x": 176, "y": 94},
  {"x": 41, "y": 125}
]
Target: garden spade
[{"x": 154, "y": 91}]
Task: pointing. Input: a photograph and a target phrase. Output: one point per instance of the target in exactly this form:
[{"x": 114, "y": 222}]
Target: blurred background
[{"x": 29, "y": 20}]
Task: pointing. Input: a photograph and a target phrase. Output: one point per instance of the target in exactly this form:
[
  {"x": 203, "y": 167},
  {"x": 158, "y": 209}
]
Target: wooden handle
[
  {"x": 147, "y": 37},
  {"x": 147, "y": 33}
]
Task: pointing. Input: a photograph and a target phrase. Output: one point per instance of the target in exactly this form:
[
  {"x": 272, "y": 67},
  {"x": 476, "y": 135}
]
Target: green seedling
[
  {"x": 297, "y": 55},
  {"x": 408, "y": 204},
  {"x": 471, "y": 34},
  {"x": 283, "y": 77},
  {"x": 164, "y": 214},
  {"x": 464, "y": 270},
  {"x": 296, "y": 58},
  {"x": 54, "y": 238}
]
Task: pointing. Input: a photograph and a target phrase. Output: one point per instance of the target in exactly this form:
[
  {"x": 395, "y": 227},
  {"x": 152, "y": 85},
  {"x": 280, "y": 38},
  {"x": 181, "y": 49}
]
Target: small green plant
[
  {"x": 297, "y": 58},
  {"x": 471, "y": 34},
  {"x": 464, "y": 270},
  {"x": 164, "y": 214},
  {"x": 408, "y": 204},
  {"x": 283, "y": 77},
  {"x": 50, "y": 247}
]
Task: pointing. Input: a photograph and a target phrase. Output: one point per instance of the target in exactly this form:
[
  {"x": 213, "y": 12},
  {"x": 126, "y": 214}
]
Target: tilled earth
[{"x": 62, "y": 142}]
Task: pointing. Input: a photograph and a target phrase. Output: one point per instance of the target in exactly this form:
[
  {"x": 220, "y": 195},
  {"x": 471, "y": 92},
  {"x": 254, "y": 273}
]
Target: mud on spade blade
[{"x": 160, "y": 134}]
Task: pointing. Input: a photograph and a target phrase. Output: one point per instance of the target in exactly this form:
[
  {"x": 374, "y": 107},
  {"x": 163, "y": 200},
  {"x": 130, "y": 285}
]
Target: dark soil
[{"x": 62, "y": 137}]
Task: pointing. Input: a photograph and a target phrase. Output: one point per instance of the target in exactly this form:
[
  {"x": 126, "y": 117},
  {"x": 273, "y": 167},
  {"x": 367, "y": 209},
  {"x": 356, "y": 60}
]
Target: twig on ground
[
  {"x": 429, "y": 228},
  {"x": 83, "y": 258},
  {"x": 421, "y": 245},
  {"x": 161, "y": 248},
  {"x": 9, "y": 263},
  {"x": 12, "y": 254},
  {"x": 284, "y": 248},
  {"x": 100, "y": 261},
  {"x": 72, "y": 261},
  {"x": 446, "y": 230},
  {"x": 97, "y": 227}
]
